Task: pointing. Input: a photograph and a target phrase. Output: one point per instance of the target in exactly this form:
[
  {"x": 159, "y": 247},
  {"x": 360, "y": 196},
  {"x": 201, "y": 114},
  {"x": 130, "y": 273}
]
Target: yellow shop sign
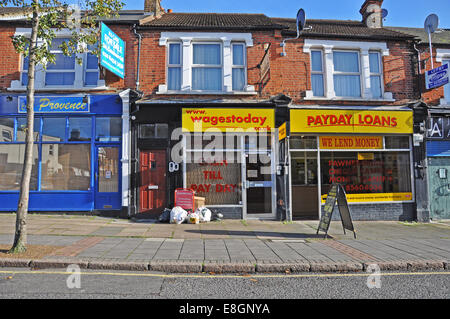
[
  {"x": 351, "y": 121},
  {"x": 228, "y": 119},
  {"x": 351, "y": 142}
]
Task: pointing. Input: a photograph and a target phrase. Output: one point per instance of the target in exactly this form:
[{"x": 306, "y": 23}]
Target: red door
[{"x": 153, "y": 181}]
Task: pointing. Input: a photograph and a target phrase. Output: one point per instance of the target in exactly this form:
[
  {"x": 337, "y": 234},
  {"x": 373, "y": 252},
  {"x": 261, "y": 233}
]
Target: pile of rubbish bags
[{"x": 179, "y": 216}]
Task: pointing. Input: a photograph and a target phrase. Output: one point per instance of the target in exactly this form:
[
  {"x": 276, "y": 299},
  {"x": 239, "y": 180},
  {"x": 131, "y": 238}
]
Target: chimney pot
[
  {"x": 371, "y": 13},
  {"x": 153, "y": 6}
]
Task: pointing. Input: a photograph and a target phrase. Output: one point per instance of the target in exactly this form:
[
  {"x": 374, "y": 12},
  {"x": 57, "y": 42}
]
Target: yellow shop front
[{"x": 367, "y": 150}]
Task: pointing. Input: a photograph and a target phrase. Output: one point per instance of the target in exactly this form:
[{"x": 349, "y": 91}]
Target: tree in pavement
[{"x": 45, "y": 19}]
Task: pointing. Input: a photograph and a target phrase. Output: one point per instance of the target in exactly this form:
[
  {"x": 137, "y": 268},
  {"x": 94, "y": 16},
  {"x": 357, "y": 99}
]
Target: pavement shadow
[{"x": 255, "y": 234}]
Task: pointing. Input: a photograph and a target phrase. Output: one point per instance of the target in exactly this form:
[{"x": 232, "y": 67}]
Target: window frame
[
  {"x": 343, "y": 73},
  {"x": 207, "y": 66},
  {"x": 57, "y": 51},
  {"x": 328, "y": 47},
  {"x": 40, "y": 73},
  {"x": 187, "y": 40},
  {"x": 169, "y": 65},
  {"x": 243, "y": 66},
  {"x": 379, "y": 74},
  {"x": 319, "y": 72}
]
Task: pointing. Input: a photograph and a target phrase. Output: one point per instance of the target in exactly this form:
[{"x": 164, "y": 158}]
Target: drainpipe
[
  {"x": 139, "y": 36},
  {"x": 419, "y": 84}
]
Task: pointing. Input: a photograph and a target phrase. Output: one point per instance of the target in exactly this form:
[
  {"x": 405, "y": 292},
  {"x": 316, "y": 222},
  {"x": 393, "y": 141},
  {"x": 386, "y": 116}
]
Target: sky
[{"x": 406, "y": 13}]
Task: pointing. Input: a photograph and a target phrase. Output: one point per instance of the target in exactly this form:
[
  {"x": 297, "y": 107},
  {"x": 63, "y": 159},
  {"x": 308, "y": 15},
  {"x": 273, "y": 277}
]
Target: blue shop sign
[
  {"x": 50, "y": 104},
  {"x": 437, "y": 77},
  {"x": 112, "y": 55}
]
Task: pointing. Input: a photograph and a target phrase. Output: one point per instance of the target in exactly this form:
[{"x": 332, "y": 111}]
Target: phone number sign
[{"x": 112, "y": 53}]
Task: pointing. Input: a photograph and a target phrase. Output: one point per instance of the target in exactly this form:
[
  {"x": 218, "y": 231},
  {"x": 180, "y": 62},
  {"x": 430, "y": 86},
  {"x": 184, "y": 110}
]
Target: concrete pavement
[{"x": 230, "y": 245}]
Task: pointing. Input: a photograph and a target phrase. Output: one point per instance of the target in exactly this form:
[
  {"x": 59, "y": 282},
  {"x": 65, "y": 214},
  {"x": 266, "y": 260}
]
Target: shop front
[
  {"x": 367, "y": 150},
  {"x": 438, "y": 153},
  {"x": 77, "y": 152},
  {"x": 229, "y": 158}
]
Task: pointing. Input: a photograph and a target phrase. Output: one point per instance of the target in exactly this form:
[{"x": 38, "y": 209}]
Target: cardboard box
[{"x": 199, "y": 201}]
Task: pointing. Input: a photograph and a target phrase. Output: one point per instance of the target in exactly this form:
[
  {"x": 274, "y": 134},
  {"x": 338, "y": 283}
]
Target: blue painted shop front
[{"x": 77, "y": 152}]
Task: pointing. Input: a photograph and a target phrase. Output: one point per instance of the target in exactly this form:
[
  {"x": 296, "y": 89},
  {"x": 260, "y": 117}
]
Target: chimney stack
[
  {"x": 153, "y": 7},
  {"x": 371, "y": 13}
]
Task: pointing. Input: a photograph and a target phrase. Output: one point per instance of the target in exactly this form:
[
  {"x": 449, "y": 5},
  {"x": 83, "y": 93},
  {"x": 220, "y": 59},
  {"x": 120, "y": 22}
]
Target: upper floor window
[
  {"x": 65, "y": 72},
  {"x": 239, "y": 74},
  {"x": 207, "y": 67},
  {"x": 346, "y": 70},
  {"x": 347, "y": 74},
  {"x": 62, "y": 72},
  {"x": 206, "y": 62},
  {"x": 317, "y": 73},
  {"x": 375, "y": 75},
  {"x": 174, "y": 67}
]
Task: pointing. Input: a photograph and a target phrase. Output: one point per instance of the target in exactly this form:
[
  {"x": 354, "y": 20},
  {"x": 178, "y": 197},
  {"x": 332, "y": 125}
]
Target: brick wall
[
  {"x": 431, "y": 97},
  {"x": 381, "y": 211},
  {"x": 10, "y": 60},
  {"x": 289, "y": 75}
]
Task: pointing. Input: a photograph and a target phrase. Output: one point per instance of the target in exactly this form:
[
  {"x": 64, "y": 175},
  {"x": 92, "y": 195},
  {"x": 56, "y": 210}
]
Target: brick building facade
[{"x": 183, "y": 69}]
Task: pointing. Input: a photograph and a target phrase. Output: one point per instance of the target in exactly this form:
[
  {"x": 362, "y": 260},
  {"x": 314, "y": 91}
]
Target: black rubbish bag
[{"x": 165, "y": 216}]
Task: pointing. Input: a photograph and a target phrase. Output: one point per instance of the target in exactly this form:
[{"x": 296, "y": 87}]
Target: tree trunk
[{"x": 20, "y": 239}]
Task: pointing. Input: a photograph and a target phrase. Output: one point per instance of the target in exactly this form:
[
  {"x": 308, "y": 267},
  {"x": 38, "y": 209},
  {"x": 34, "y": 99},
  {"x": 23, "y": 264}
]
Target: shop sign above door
[
  {"x": 351, "y": 121},
  {"x": 228, "y": 119},
  {"x": 351, "y": 142},
  {"x": 112, "y": 54},
  {"x": 56, "y": 104}
]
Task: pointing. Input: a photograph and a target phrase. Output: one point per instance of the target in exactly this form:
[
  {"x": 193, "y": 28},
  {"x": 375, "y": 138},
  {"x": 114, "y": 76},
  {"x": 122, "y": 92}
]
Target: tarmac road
[{"x": 51, "y": 284}]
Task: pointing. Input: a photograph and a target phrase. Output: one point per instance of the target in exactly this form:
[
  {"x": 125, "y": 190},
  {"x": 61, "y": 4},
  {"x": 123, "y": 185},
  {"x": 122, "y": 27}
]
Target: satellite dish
[
  {"x": 431, "y": 23},
  {"x": 384, "y": 13},
  {"x": 301, "y": 20}
]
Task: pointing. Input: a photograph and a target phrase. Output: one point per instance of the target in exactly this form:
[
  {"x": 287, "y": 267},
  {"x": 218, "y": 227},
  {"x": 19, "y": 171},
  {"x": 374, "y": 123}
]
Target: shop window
[
  {"x": 317, "y": 73},
  {"x": 54, "y": 130},
  {"x": 11, "y": 167},
  {"x": 174, "y": 67},
  {"x": 303, "y": 142},
  {"x": 397, "y": 142},
  {"x": 238, "y": 75},
  {"x": 377, "y": 172},
  {"x": 154, "y": 131},
  {"x": 304, "y": 168},
  {"x": 7, "y": 129},
  {"x": 66, "y": 167},
  {"x": 21, "y": 129},
  {"x": 108, "y": 129},
  {"x": 207, "y": 67},
  {"x": 347, "y": 76},
  {"x": 219, "y": 182},
  {"x": 80, "y": 129},
  {"x": 375, "y": 75}
]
